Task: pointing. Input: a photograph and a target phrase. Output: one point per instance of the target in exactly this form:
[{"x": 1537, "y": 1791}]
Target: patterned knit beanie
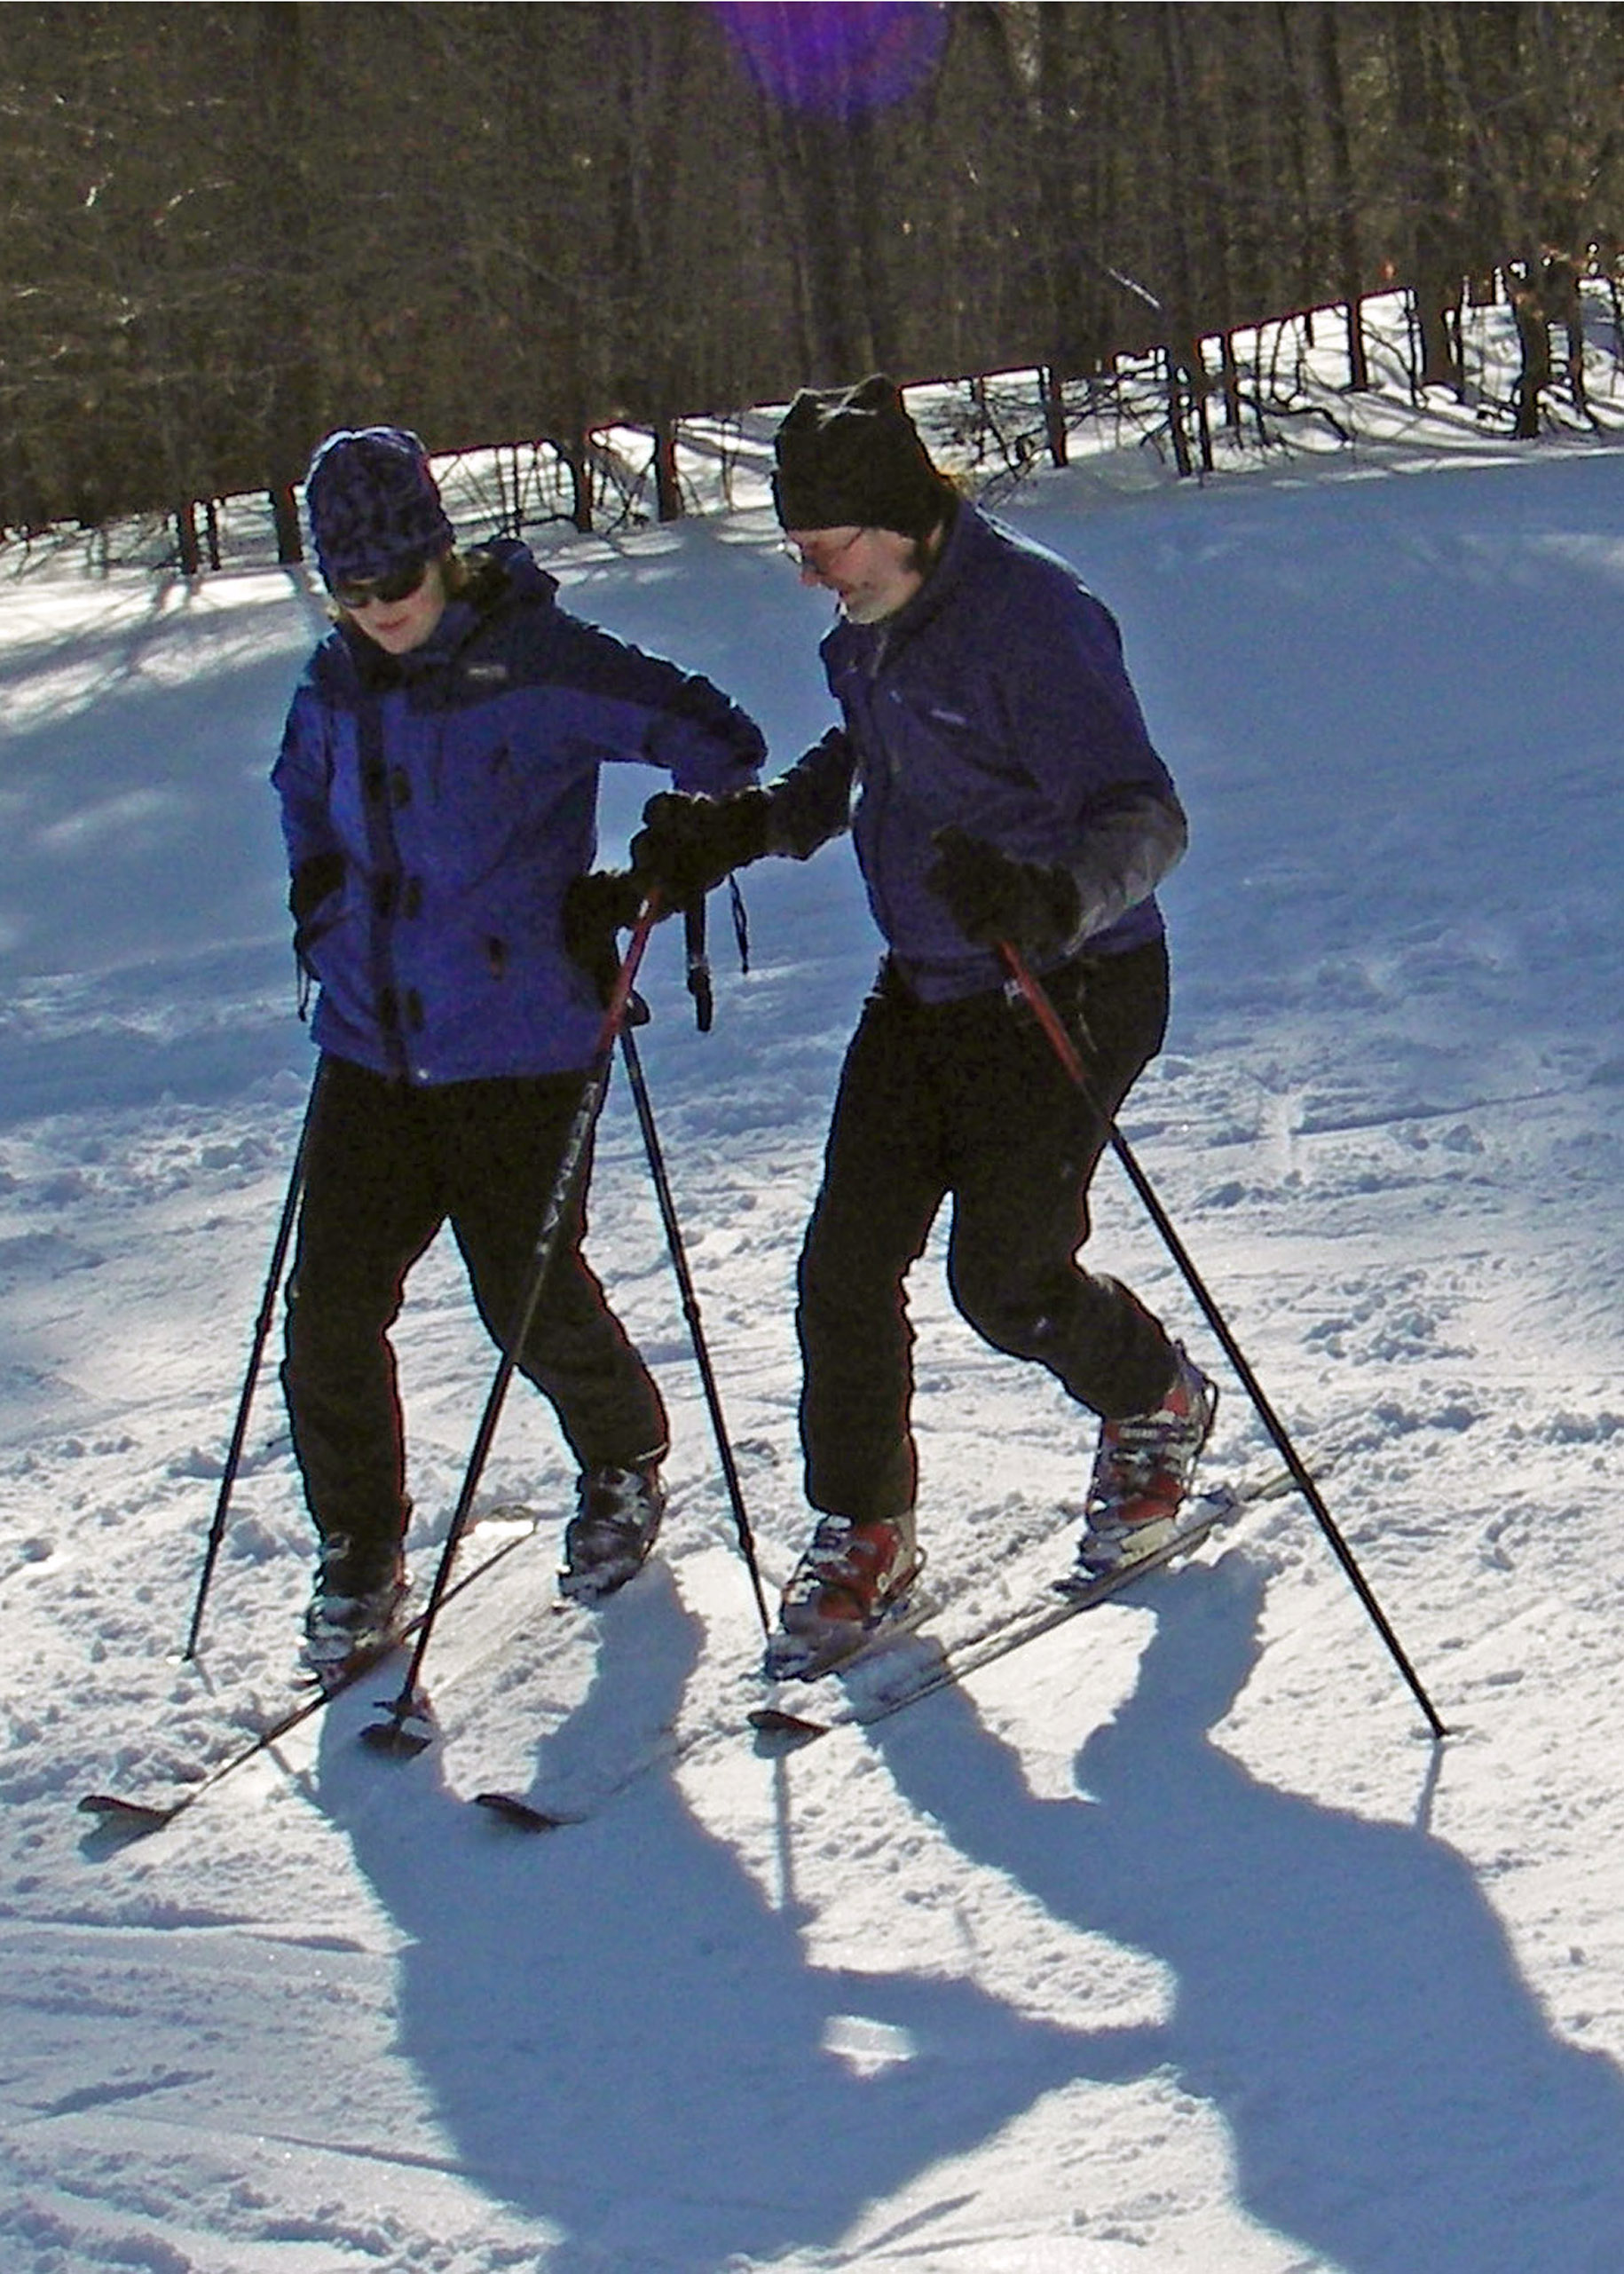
[
  {"x": 374, "y": 505},
  {"x": 852, "y": 456}
]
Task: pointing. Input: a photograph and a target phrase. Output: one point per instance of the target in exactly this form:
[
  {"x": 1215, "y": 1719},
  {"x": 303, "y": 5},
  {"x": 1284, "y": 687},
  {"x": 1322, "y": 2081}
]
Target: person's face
[
  {"x": 872, "y": 572},
  {"x": 393, "y": 614}
]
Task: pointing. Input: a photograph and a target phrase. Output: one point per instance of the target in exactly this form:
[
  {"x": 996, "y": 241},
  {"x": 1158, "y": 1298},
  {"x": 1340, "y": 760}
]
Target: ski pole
[
  {"x": 262, "y": 1328},
  {"x": 690, "y": 1313},
  {"x": 1048, "y": 1018},
  {"x": 390, "y": 1735}
]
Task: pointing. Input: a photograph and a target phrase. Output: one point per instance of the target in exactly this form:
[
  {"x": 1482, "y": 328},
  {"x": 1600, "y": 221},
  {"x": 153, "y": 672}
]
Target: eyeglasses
[
  {"x": 817, "y": 560},
  {"x": 398, "y": 586}
]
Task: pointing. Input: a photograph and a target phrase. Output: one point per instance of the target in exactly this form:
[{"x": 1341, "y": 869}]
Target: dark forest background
[{"x": 230, "y": 228}]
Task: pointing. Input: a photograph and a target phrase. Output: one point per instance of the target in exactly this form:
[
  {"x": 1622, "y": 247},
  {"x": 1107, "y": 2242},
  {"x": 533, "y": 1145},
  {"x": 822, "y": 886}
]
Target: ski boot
[
  {"x": 1142, "y": 1474},
  {"x": 356, "y": 1604},
  {"x": 852, "y": 1584},
  {"x": 609, "y": 1539}
]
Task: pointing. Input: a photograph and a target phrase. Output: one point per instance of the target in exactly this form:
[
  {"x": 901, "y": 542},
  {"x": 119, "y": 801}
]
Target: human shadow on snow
[
  {"x": 1342, "y": 1993},
  {"x": 622, "y": 2032}
]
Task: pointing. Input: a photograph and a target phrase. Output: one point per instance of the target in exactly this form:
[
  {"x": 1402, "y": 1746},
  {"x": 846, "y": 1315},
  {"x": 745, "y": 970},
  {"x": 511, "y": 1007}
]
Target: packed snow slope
[{"x": 1172, "y": 1942}]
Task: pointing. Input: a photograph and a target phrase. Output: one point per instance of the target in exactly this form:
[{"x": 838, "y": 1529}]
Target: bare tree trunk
[
  {"x": 1187, "y": 371},
  {"x": 185, "y": 538},
  {"x": 1349, "y": 264},
  {"x": 1435, "y": 273},
  {"x": 1540, "y": 297},
  {"x": 1051, "y": 393},
  {"x": 285, "y": 523},
  {"x": 287, "y": 360},
  {"x": 575, "y": 457},
  {"x": 668, "y": 488},
  {"x": 1533, "y": 341}
]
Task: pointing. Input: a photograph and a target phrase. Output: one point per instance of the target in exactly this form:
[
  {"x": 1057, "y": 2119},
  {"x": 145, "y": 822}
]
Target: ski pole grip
[
  {"x": 1043, "y": 1010},
  {"x": 698, "y": 965}
]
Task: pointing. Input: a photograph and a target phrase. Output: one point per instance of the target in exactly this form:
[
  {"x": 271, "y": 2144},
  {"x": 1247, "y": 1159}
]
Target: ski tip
[
  {"x": 128, "y": 1818},
  {"x": 778, "y": 1731},
  {"x": 520, "y": 1813}
]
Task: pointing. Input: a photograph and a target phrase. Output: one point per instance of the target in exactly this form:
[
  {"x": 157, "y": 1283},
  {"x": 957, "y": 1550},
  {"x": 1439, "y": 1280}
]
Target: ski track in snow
[{"x": 1172, "y": 1942}]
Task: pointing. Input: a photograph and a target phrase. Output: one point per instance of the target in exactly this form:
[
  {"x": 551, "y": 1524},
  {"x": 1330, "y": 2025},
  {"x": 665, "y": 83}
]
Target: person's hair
[
  {"x": 926, "y": 551},
  {"x": 461, "y": 568}
]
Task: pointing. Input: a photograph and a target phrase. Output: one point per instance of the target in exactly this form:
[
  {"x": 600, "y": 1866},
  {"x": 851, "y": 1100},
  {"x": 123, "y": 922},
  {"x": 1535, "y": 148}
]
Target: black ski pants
[
  {"x": 386, "y": 1165},
  {"x": 968, "y": 1100}
]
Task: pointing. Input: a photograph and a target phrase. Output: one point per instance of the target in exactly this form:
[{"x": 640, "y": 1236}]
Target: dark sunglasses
[{"x": 401, "y": 586}]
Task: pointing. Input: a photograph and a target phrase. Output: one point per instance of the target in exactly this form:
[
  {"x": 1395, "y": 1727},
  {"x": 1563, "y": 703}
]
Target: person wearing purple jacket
[
  {"x": 994, "y": 769},
  {"x": 439, "y": 784}
]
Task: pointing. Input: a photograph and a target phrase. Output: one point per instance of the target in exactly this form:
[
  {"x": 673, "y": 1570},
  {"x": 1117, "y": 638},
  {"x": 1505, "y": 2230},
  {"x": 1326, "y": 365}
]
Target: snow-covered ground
[{"x": 1172, "y": 1942}]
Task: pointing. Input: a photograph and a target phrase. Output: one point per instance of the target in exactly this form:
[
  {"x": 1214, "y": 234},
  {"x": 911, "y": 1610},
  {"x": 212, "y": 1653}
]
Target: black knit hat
[
  {"x": 852, "y": 456},
  {"x": 373, "y": 503}
]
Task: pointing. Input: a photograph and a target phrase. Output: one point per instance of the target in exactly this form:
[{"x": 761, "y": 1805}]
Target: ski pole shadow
[
  {"x": 1343, "y": 1994},
  {"x": 620, "y": 2030}
]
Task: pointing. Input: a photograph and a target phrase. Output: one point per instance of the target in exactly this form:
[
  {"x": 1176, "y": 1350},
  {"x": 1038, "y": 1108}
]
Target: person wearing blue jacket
[
  {"x": 438, "y": 779},
  {"x": 994, "y": 769}
]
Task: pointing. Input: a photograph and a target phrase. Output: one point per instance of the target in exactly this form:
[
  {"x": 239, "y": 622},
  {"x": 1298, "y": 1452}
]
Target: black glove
[
  {"x": 991, "y": 896},
  {"x": 315, "y": 880},
  {"x": 687, "y": 843},
  {"x": 597, "y": 906}
]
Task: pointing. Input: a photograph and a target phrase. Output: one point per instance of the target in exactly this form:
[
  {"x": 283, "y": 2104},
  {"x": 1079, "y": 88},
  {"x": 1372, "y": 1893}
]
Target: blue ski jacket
[
  {"x": 443, "y": 800},
  {"x": 996, "y": 700}
]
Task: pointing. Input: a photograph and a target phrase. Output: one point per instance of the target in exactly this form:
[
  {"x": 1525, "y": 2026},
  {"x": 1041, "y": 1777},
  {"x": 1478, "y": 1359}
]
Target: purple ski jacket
[
  {"x": 449, "y": 796},
  {"x": 997, "y": 699}
]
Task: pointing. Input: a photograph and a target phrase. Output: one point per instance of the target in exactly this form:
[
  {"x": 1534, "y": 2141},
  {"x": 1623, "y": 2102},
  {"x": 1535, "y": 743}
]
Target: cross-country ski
[
  {"x": 779, "y": 1727},
  {"x": 128, "y": 1818}
]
